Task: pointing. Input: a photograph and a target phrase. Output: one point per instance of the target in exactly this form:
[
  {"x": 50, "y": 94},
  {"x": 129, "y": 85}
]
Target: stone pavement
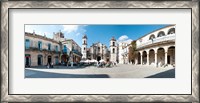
[{"x": 120, "y": 71}]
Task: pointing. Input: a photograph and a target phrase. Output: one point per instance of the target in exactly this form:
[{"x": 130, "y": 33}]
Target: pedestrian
[
  {"x": 48, "y": 65},
  {"x": 52, "y": 65}
]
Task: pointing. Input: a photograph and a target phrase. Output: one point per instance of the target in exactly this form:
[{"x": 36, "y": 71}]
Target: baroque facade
[
  {"x": 98, "y": 51},
  {"x": 40, "y": 50}
]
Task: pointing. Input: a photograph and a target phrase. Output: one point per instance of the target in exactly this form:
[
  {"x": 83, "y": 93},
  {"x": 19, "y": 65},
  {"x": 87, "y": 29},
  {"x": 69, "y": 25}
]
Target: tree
[{"x": 132, "y": 51}]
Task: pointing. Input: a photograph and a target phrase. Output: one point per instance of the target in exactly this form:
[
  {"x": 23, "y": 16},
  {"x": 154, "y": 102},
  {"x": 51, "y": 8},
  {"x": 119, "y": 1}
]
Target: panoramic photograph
[{"x": 99, "y": 51}]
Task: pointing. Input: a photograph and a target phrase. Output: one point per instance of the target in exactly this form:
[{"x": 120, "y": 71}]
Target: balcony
[
  {"x": 41, "y": 50},
  {"x": 156, "y": 40},
  {"x": 77, "y": 52}
]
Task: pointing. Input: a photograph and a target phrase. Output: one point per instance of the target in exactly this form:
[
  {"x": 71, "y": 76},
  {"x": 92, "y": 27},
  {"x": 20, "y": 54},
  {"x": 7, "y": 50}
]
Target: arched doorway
[
  {"x": 139, "y": 58},
  {"x": 64, "y": 58},
  {"x": 40, "y": 59},
  {"x": 171, "y": 55},
  {"x": 27, "y": 60},
  {"x": 161, "y": 57},
  {"x": 49, "y": 59},
  {"x": 144, "y": 57},
  {"x": 98, "y": 58},
  {"x": 151, "y": 57}
]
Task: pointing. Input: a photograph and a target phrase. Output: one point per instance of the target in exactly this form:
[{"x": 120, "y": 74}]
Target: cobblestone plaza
[{"x": 119, "y": 71}]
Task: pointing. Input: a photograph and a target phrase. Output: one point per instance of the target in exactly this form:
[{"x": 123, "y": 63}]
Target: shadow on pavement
[
  {"x": 42, "y": 74},
  {"x": 60, "y": 67},
  {"x": 166, "y": 74}
]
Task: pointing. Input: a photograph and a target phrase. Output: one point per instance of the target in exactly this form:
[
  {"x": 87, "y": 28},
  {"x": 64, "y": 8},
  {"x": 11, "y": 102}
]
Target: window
[
  {"x": 49, "y": 46},
  {"x": 171, "y": 31},
  {"x": 84, "y": 42},
  {"x": 39, "y": 45},
  {"x": 152, "y": 37},
  {"x": 99, "y": 49},
  {"x": 65, "y": 49},
  {"x": 27, "y": 44},
  {"x": 113, "y": 50},
  {"x": 113, "y": 43},
  {"x": 160, "y": 34},
  {"x": 84, "y": 48},
  {"x": 56, "y": 48}
]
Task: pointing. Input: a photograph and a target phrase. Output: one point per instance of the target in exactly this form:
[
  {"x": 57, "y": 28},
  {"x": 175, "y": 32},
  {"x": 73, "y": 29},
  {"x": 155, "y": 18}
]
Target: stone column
[
  {"x": 156, "y": 59},
  {"x": 141, "y": 59},
  {"x": 135, "y": 61},
  {"x": 165, "y": 57},
  {"x": 147, "y": 58}
]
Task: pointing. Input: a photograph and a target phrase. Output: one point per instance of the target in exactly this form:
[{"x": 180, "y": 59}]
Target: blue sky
[{"x": 95, "y": 33}]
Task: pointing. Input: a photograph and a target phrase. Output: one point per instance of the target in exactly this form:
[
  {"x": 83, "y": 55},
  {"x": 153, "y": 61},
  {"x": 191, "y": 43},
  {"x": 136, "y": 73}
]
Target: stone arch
[
  {"x": 171, "y": 55},
  {"x": 151, "y": 56},
  {"x": 139, "y": 57},
  {"x": 152, "y": 36},
  {"x": 144, "y": 57},
  {"x": 161, "y": 33},
  {"x": 161, "y": 56},
  {"x": 171, "y": 31}
]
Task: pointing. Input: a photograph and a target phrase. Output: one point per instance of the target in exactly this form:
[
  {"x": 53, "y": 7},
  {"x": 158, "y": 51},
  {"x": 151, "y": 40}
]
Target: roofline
[
  {"x": 156, "y": 30},
  {"x": 41, "y": 37}
]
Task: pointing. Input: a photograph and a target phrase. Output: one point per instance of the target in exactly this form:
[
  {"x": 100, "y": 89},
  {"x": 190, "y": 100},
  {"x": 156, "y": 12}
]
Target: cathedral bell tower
[
  {"x": 84, "y": 47},
  {"x": 113, "y": 50}
]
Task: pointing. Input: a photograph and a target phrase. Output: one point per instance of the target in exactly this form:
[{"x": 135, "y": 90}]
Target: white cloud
[
  {"x": 70, "y": 28},
  {"x": 74, "y": 29},
  {"x": 124, "y": 38}
]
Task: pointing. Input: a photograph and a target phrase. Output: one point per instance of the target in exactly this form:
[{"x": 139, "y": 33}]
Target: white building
[
  {"x": 123, "y": 52},
  {"x": 157, "y": 48}
]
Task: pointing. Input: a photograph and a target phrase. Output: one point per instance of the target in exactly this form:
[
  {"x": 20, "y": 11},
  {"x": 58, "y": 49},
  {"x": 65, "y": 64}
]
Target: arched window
[
  {"x": 171, "y": 31},
  {"x": 84, "y": 48},
  {"x": 160, "y": 34},
  {"x": 27, "y": 44},
  {"x": 49, "y": 46},
  {"x": 84, "y": 42},
  {"x": 113, "y": 43},
  {"x": 39, "y": 45},
  {"x": 152, "y": 37},
  {"x": 99, "y": 49},
  {"x": 113, "y": 50}
]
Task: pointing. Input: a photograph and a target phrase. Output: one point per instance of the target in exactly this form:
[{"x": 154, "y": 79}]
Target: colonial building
[
  {"x": 40, "y": 50},
  {"x": 157, "y": 48}
]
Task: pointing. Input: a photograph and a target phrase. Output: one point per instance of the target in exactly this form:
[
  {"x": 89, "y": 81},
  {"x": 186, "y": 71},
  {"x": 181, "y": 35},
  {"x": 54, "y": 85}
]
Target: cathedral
[{"x": 98, "y": 51}]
